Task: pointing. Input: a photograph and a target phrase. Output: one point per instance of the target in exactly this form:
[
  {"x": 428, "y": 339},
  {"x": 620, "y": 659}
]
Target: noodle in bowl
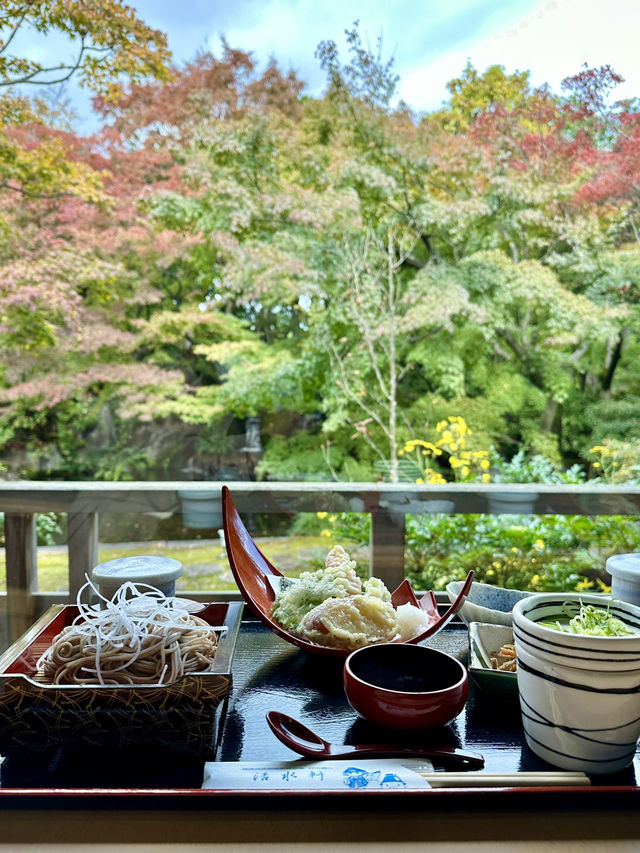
[{"x": 139, "y": 637}]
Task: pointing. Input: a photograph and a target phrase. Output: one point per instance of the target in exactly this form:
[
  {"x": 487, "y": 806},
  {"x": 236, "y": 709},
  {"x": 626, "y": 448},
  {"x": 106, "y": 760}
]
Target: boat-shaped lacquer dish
[{"x": 258, "y": 579}]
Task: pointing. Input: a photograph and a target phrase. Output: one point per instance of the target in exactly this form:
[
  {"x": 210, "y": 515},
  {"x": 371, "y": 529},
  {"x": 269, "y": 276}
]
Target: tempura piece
[
  {"x": 375, "y": 588},
  {"x": 298, "y": 598},
  {"x": 349, "y": 623},
  {"x": 332, "y": 607},
  {"x": 338, "y": 557}
]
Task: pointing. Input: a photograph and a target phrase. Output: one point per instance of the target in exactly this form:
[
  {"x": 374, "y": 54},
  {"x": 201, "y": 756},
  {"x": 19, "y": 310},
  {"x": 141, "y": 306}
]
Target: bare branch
[
  {"x": 361, "y": 319},
  {"x": 346, "y": 387},
  {"x": 7, "y": 186},
  {"x": 577, "y": 354},
  {"x": 30, "y": 78},
  {"x": 326, "y": 455},
  {"x": 15, "y": 29},
  {"x": 365, "y": 435}
]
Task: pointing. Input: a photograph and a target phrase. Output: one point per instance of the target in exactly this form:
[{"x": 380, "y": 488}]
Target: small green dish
[{"x": 484, "y": 639}]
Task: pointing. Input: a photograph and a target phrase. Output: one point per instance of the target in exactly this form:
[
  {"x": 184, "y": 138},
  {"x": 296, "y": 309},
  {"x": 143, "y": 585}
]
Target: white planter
[
  {"x": 520, "y": 503},
  {"x": 201, "y": 510}
]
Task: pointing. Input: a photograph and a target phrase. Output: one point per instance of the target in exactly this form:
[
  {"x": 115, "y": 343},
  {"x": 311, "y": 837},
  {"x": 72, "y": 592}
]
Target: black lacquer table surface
[{"x": 270, "y": 674}]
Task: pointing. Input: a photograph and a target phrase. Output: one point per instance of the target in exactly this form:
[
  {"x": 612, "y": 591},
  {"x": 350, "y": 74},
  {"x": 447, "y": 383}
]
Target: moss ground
[{"x": 205, "y": 562}]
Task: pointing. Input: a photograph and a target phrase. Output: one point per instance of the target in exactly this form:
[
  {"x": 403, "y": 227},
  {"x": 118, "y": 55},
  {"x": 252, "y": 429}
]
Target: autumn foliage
[{"x": 351, "y": 273}]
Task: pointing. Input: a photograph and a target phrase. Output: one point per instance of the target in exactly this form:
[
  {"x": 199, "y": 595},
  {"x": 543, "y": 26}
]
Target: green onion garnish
[{"x": 592, "y": 621}]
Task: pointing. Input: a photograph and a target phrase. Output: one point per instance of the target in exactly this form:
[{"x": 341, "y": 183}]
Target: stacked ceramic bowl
[
  {"x": 486, "y": 603},
  {"x": 579, "y": 694}
]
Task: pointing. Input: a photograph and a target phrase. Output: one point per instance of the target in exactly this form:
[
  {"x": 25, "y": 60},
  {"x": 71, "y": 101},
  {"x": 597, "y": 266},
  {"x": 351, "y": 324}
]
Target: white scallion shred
[{"x": 138, "y": 636}]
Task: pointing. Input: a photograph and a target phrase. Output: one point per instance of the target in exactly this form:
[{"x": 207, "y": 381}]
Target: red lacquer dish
[{"x": 255, "y": 577}]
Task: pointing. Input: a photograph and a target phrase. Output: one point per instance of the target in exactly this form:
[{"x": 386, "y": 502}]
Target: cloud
[
  {"x": 552, "y": 41},
  {"x": 431, "y": 40},
  {"x": 413, "y": 31}
]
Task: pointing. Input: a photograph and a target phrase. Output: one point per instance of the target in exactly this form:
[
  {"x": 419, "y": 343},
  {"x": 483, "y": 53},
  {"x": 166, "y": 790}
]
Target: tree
[
  {"x": 207, "y": 88},
  {"x": 490, "y": 272},
  {"x": 295, "y": 216},
  {"x": 64, "y": 297},
  {"x": 474, "y": 94},
  {"x": 113, "y": 293},
  {"x": 381, "y": 312},
  {"x": 345, "y": 271},
  {"x": 110, "y": 42}
]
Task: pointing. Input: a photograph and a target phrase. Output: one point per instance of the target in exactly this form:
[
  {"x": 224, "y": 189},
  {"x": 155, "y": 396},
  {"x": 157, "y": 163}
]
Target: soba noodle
[{"x": 137, "y": 637}]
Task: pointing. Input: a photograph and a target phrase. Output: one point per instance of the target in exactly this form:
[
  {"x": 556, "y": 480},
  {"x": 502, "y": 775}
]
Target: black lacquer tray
[{"x": 269, "y": 673}]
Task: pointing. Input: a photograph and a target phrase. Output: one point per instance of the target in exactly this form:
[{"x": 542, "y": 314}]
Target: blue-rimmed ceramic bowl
[{"x": 486, "y": 603}]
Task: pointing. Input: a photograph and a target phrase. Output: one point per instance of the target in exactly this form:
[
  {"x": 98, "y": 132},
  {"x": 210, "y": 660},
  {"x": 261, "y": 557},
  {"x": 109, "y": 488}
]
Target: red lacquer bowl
[
  {"x": 405, "y": 686},
  {"x": 255, "y": 576}
]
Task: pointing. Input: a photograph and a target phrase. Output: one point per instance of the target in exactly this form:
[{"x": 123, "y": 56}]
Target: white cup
[{"x": 579, "y": 694}]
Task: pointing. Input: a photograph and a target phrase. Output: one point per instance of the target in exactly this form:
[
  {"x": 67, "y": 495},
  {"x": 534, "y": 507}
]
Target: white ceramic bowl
[
  {"x": 579, "y": 695},
  {"x": 486, "y": 603}
]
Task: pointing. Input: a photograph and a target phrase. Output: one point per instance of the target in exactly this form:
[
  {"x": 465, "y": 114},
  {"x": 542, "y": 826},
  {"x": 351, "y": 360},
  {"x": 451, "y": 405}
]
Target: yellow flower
[
  {"x": 601, "y": 449},
  {"x": 419, "y": 480},
  {"x": 535, "y": 580},
  {"x": 411, "y": 445},
  {"x": 596, "y": 465},
  {"x": 485, "y": 464},
  {"x": 584, "y": 584},
  {"x": 325, "y": 533},
  {"x": 490, "y": 573},
  {"x": 333, "y": 518},
  {"x": 322, "y": 514},
  {"x": 603, "y": 586},
  {"x": 539, "y": 544},
  {"x": 514, "y": 549},
  {"x": 495, "y": 565},
  {"x": 486, "y": 478},
  {"x": 441, "y": 425},
  {"x": 465, "y": 470},
  {"x": 457, "y": 419}
]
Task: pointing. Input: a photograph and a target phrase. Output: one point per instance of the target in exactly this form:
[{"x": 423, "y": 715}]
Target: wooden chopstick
[{"x": 523, "y": 779}]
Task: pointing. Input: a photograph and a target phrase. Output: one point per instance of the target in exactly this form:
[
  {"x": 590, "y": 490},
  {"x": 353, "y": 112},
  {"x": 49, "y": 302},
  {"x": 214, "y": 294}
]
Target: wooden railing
[{"x": 388, "y": 505}]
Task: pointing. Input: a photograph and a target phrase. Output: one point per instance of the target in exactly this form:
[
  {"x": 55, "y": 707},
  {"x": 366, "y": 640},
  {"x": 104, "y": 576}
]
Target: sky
[{"x": 430, "y": 40}]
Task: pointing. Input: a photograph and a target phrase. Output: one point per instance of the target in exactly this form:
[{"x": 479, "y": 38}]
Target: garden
[{"x": 233, "y": 279}]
